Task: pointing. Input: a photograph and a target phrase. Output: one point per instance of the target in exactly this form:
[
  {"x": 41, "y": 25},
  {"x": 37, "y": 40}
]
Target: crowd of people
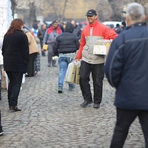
[{"x": 124, "y": 66}]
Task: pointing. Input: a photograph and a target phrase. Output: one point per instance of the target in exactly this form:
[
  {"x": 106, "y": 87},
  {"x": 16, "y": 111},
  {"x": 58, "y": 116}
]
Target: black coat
[
  {"x": 41, "y": 34},
  {"x": 15, "y": 51},
  {"x": 67, "y": 42},
  {"x": 77, "y": 32}
]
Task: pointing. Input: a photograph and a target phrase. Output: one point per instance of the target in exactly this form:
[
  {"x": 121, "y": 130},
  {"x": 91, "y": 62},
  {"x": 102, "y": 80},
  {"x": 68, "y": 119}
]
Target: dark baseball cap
[{"x": 91, "y": 12}]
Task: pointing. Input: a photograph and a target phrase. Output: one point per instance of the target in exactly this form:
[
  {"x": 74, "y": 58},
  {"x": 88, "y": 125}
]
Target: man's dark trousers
[
  {"x": 97, "y": 71},
  {"x": 30, "y": 66},
  {"x": 15, "y": 81},
  {"x": 124, "y": 120}
]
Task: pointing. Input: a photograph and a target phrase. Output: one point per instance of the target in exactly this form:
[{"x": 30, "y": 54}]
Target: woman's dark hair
[{"x": 16, "y": 24}]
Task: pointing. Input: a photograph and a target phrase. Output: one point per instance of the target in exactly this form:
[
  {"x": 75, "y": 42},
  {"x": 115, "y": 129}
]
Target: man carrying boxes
[{"x": 92, "y": 63}]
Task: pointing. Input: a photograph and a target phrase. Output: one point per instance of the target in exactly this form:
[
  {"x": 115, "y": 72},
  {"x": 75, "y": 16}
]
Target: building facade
[{"x": 5, "y": 17}]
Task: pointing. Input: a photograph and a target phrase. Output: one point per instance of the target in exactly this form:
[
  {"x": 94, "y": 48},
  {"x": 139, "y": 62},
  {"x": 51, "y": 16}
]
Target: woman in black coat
[{"x": 15, "y": 52}]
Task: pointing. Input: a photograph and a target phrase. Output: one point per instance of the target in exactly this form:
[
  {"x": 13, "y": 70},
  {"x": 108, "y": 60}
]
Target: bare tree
[
  {"x": 13, "y": 6},
  {"x": 116, "y": 8},
  {"x": 32, "y": 12},
  {"x": 64, "y": 9},
  {"x": 143, "y": 2},
  {"x": 52, "y": 3},
  {"x": 104, "y": 10}
]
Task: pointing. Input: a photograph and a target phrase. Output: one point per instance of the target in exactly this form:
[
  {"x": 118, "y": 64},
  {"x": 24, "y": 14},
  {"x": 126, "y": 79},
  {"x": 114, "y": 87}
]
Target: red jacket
[
  {"x": 58, "y": 30},
  {"x": 99, "y": 29}
]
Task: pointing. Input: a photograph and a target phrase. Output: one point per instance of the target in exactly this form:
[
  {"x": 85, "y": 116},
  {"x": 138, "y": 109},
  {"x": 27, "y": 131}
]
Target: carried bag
[
  {"x": 45, "y": 47},
  {"x": 77, "y": 73},
  {"x": 72, "y": 73},
  {"x": 4, "y": 79}
]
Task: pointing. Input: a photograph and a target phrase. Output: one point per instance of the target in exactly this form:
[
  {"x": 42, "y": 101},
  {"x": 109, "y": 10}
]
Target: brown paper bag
[{"x": 77, "y": 75}]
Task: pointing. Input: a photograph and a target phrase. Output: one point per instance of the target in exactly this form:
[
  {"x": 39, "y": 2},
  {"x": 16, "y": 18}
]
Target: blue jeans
[{"x": 63, "y": 64}]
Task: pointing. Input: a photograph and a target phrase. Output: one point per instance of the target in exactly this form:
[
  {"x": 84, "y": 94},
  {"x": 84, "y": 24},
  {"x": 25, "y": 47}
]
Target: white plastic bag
[{"x": 72, "y": 73}]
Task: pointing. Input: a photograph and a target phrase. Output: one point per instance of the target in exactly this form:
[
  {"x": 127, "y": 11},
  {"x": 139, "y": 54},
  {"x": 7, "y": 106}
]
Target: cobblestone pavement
[{"x": 52, "y": 120}]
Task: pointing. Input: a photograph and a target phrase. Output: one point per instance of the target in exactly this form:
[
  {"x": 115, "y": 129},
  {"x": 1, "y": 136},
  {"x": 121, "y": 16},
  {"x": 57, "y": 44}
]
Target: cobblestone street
[{"x": 52, "y": 120}]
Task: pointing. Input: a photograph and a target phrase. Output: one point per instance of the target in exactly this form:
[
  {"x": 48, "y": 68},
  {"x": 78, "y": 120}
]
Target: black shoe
[
  {"x": 96, "y": 105},
  {"x": 71, "y": 88},
  {"x": 43, "y": 54},
  {"x": 54, "y": 65},
  {"x": 14, "y": 109},
  {"x": 49, "y": 65},
  {"x": 60, "y": 89},
  {"x": 85, "y": 104},
  {"x": 29, "y": 75}
]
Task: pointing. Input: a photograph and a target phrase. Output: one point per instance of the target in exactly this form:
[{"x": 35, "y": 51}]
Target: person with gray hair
[
  {"x": 126, "y": 70},
  {"x": 135, "y": 12}
]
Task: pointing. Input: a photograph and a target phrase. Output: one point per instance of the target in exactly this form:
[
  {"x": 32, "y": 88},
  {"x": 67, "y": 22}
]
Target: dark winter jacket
[
  {"x": 15, "y": 51},
  {"x": 67, "y": 42},
  {"x": 41, "y": 34},
  {"x": 126, "y": 67},
  {"x": 77, "y": 32}
]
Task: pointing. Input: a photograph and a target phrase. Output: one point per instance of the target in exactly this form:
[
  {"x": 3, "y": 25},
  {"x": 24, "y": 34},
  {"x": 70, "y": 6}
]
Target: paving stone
[{"x": 52, "y": 120}]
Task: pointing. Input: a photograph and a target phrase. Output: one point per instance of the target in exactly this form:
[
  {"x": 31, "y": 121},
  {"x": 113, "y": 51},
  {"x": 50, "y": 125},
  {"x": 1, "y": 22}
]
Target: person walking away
[
  {"x": 33, "y": 51},
  {"x": 118, "y": 29},
  {"x": 126, "y": 70},
  {"x": 1, "y": 66},
  {"x": 92, "y": 63},
  {"x": 49, "y": 38},
  {"x": 1, "y": 63},
  {"x": 65, "y": 47},
  {"x": 77, "y": 30},
  {"x": 37, "y": 63},
  {"x": 1, "y": 128},
  {"x": 15, "y": 51},
  {"x": 123, "y": 25},
  {"x": 40, "y": 34}
]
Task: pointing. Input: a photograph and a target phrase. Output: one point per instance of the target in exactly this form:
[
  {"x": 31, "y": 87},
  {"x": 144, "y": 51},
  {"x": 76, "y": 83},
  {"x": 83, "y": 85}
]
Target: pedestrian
[
  {"x": 118, "y": 29},
  {"x": 15, "y": 52},
  {"x": 77, "y": 30},
  {"x": 33, "y": 51},
  {"x": 92, "y": 63},
  {"x": 126, "y": 70},
  {"x": 37, "y": 64},
  {"x": 1, "y": 64},
  {"x": 40, "y": 35},
  {"x": 49, "y": 38},
  {"x": 66, "y": 46},
  {"x": 123, "y": 25},
  {"x": 1, "y": 128}
]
